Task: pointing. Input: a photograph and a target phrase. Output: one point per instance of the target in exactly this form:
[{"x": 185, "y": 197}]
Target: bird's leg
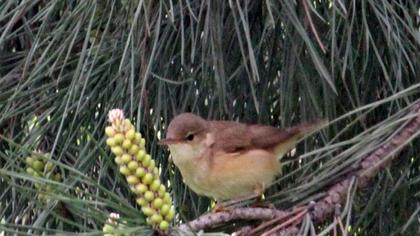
[
  {"x": 259, "y": 191},
  {"x": 223, "y": 206},
  {"x": 261, "y": 204}
]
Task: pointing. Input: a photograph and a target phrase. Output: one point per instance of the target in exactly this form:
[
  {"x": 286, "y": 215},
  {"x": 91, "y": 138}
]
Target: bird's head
[
  {"x": 185, "y": 128},
  {"x": 185, "y": 135}
]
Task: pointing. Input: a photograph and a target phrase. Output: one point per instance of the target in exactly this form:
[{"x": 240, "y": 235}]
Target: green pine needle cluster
[{"x": 39, "y": 165}]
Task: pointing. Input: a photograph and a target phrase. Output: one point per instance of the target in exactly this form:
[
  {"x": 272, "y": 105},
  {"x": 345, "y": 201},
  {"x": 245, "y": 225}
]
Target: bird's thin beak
[{"x": 168, "y": 141}]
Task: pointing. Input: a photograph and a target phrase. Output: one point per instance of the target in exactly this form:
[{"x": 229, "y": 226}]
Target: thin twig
[
  {"x": 312, "y": 26},
  {"x": 286, "y": 223},
  {"x": 335, "y": 227},
  {"x": 340, "y": 223},
  {"x": 277, "y": 220}
]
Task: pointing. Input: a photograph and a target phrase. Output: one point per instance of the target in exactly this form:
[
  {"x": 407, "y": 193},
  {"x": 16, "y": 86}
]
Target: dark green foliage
[{"x": 65, "y": 64}]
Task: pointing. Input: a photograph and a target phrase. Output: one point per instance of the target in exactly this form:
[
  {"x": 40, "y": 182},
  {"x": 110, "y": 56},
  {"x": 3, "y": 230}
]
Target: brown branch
[
  {"x": 321, "y": 209},
  {"x": 286, "y": 223},
  {"x": 278, "y": 219},
  {"x": 367, "y": 168},
  {"x": 248, "y": 213}
]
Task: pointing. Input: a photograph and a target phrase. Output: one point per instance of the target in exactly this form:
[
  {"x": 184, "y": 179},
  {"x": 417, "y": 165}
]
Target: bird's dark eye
[{"x": 190, "y": 137}]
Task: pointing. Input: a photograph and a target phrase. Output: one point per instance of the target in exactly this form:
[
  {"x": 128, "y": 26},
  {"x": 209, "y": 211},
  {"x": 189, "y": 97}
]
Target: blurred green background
[{"x": 65, "y": 64}]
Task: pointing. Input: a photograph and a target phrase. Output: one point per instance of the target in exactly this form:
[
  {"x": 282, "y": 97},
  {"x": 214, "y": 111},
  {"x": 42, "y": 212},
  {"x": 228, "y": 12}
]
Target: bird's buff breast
[
  {"x": 225, "y": 176},
  {"x": 193, "y": 171}
]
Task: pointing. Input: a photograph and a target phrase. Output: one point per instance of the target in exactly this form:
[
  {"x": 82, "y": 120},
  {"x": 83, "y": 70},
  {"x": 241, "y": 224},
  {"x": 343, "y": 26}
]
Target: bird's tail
[
  {"x": 308, "y": 128},
  {"x": 299, "y": 132}
]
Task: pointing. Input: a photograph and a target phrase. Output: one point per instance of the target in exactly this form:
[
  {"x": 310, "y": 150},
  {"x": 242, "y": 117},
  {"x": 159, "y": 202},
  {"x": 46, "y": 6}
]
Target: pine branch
[
  {"x": 364, "y": 170},
  {"x": 246, "y": 213},
  {"x": 367, "y": 168}
]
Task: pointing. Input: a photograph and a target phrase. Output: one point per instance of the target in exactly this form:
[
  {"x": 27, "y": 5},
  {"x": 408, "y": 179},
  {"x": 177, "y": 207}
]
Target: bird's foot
[
  {"x": 261, "y": 204},
  {"x": 220, "y": 208},
  {"x": 226, "y": 205}
]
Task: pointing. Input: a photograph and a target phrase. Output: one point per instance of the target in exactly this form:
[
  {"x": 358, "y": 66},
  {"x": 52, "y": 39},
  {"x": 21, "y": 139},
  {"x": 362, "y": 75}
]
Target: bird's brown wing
[
  {"x": 233, "y": 136},
  {"x": 268, "y": 137},
  {"x": 281, "y": 141},
  {"x": 230, "y": 136}
]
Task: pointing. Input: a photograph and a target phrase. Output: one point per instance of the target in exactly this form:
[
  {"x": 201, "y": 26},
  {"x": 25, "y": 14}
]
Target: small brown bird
[{"x": 230, "y": 160}]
